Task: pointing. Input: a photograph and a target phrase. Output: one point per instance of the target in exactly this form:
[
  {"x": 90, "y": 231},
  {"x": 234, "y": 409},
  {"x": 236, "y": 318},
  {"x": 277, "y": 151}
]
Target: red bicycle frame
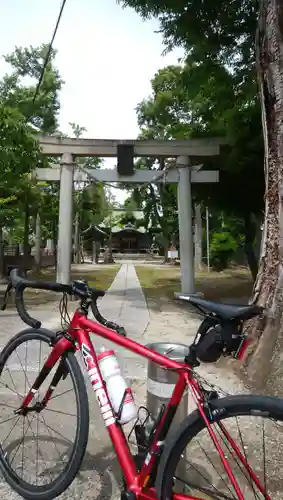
[{"x": 137, "y": 482}]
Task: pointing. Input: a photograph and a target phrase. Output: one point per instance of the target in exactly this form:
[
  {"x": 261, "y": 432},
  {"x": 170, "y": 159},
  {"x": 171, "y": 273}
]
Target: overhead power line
[{"x": 47, "y": 57}]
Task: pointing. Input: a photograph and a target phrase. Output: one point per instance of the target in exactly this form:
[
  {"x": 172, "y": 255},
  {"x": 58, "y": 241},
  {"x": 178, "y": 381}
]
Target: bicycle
[{"x": 153, "y": 472}]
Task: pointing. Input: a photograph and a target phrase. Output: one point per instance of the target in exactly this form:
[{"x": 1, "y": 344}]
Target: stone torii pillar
[
  {"x": 65, "y": 230},
  {"x": 186, "y": 240}
]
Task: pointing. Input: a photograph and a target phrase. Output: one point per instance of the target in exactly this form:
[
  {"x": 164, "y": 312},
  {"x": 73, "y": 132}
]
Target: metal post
[
  {"x": 37, "y": 242},
  {"x": 198, "y": 237},
  {"x": 185, "y": 226},
  {"x": 64, "y": 251},
  {"x": 160, "y": 386},
  {"x": 207, "y": 240}
]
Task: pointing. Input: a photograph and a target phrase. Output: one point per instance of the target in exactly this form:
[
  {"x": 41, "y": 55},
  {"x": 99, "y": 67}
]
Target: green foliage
[
  {"x": 204, "y": 100},
  {"x": 18, "y": 147},
  {"x": 90, "y": 198},
  {"x": 19, "y": 154},
  {"x": 208, "y": 30},
  {"x": 213, "y": 93},
  {"x": 41, "y": 115},
  {"x": 93, "y": 206},
  {"x": 26, "y": 64},
  {"x": 222, "y": 248}
]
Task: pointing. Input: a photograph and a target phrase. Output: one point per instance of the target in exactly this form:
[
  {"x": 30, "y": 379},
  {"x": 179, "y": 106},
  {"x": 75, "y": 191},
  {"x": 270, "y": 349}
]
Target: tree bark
[
  {"x": 162, "y": 221},
  {"x": 26, "y": 230},
  {"x": 77, "y": 258},
  {"x": 38, "y": 242},
  {"x": 55, "y": 241},
  {"x": 1, "y": 254},
  {"x": 263, "y": 361},
  {"x": 198, "y": 237},
  {"x": 250, "y": 234}
]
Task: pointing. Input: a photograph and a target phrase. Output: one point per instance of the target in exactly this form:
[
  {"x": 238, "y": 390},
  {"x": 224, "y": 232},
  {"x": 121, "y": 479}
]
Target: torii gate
[{"x": 186, "y": 151}]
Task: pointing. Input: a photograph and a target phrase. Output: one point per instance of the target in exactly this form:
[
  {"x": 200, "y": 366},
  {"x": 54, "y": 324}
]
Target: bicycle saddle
[{"x": 224, "y": 311}]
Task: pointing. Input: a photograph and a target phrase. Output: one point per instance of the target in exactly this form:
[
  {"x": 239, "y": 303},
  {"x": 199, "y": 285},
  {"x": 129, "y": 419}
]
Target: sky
[{"x": 106, "y": 55}]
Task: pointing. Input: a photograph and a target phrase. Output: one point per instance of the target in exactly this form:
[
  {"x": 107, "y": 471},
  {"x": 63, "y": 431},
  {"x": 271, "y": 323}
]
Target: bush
[{"x": 222, "y": 248}]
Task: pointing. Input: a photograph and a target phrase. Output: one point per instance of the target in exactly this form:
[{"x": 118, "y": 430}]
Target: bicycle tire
[
  {"x": 63, "y": 481},
  {"x": 231, "y": 406}
]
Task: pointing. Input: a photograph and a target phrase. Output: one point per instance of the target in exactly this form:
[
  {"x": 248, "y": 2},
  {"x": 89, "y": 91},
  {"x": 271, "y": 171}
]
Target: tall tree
[
  {"x": 195, "y": 101},
  {"x": 26, "y": 64},
  {"x": 41, "y": 114},
  {"x": 269, "y": 286},
  {"x": 224, "y": 32},
  {"x": 19, "y": 155},
  {"x": 218, "y": 31}
]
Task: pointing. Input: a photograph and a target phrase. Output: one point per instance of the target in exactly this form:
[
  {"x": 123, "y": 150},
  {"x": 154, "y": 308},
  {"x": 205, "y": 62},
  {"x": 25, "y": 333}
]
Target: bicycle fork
[{"x": 63, "y": 345}]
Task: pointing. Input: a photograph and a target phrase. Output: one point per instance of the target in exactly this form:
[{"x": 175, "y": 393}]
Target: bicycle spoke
[
  {"x": 60, "y": 412},
  {"x": 48, "y": 428},
  {"x": 11, "y": 461},
  {"x": 56, "y": 432},
  {"x": 23, "y": 447},
  {"x": 248, "y": 469},
  {"x": 200, "y": 488},
  {"x": 26, "y": 379},
  {"x": 12, "y": 390},
  {"x": 37, "y": 445},
  {"x": 8, "y": 406},
  {"x": 11, "y": 430},
  {"x": 30, "y": 466},
  {"x": 38, "y": 449},
  {"x": 217, "y": 472},
  {"x": 37, "y": 418},
  {"x": 246, "y": 441},
  {"x": 8, "y": 419},
  {"x": 264, "y": 458},
  {"x": 61, "y": 394},
  {"x": 246, "y": 458},
  {"x": 239, "y": 464}
]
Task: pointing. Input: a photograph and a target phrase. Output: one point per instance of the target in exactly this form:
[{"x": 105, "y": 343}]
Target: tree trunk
[
  {"x": 77, "y": 240},
  {"x": 250, "y": 234},
  {"x": 264, "y": 367},
  {"x": 1, "y": 255},
  {"x": 198, "y": 238},
  {"x": 162, "y": 220},
  {"x": 26, "y": 230},
  {"x": 38, "y": 242},
  {"x": 166, "y": 249},
  {"x": 55, "y": 242}
]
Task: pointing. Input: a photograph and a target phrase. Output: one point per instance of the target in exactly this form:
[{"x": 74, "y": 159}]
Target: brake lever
[
  {"x": 6, "y": 295},
  {"x": 121, "y": 330},
  {"x": 117, "y": 328}
]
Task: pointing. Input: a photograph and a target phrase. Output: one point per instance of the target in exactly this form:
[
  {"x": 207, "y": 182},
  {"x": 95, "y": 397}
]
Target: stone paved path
[{"x": 125, "y": 303}]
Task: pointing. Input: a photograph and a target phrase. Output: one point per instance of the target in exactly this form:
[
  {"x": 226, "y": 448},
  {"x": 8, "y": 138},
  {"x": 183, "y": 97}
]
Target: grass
[
  {"x": 99, "y": 278},
  {"x": 160, "y": 282}
]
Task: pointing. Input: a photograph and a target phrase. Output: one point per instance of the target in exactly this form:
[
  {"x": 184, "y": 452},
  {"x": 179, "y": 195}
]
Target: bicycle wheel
[
  {"x": 199, "y": 471},
  {"x": 31, "y": 443}
]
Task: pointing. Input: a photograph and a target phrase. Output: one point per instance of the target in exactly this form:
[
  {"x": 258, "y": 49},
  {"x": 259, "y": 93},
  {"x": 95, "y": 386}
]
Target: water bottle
[{"x": 119, "y": 393}]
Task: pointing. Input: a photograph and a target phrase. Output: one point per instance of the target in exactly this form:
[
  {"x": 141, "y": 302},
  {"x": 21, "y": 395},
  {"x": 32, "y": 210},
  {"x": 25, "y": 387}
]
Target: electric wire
[{"x": 47, "y": 57}]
